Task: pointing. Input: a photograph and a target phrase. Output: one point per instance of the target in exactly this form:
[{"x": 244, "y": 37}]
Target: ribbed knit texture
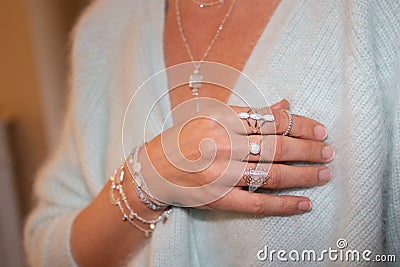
[{"x": 335, "y": 61}]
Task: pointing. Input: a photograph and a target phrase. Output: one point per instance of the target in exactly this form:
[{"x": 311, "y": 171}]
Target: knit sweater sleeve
[
  {"x": 61, "y": 195},
  {"x": 79, "y": 169},
  {"x": 75, "y": 174}
]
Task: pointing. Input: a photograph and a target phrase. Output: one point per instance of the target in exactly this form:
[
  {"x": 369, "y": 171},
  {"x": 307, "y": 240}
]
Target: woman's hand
[{"x": 201, "y": 162}]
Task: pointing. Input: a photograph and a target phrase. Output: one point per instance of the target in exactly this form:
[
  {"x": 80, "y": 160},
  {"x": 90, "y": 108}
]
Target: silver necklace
[
  {"x": 195, "y": 79},
  {"x": 203, "y": 5}
]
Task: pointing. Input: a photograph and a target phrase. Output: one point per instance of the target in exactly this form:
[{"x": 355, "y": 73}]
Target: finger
[
  {"x": 293, "y": 149},
  {"x": 262, "y": 204},
  {"x": 286, "y": 176},
  {"x": 302, "y": 127},
  {"x": 278, "y": 148}
]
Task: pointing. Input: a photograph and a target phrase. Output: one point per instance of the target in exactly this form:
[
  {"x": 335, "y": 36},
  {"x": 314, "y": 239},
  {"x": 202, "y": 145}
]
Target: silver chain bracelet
[
  {"x": 116, "y": 186},
  {"x": 140, "y": 185}
]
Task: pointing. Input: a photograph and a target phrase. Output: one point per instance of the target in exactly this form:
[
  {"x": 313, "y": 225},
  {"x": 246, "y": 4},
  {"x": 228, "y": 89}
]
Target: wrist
[
  {"x": 135, "y": 200},
  {"x": 140, "y": 184},
  {"x": 129, "y": 206}
]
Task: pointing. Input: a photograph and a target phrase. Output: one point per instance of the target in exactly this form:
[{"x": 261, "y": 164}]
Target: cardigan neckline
[{"x": 263, "y": 47}]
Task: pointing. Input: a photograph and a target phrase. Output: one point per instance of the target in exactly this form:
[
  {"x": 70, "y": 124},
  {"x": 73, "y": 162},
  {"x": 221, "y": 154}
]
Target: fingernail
[
  {"x": 328, "y": 153},
  {"x": 320, "y": 132},
  {"x": 325, "y": 175},
  {"x": 304, "y": 205}
]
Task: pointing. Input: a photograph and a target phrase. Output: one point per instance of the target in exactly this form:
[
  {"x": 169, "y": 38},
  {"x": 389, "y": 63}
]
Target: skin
[{"x": 101, "y": 238}]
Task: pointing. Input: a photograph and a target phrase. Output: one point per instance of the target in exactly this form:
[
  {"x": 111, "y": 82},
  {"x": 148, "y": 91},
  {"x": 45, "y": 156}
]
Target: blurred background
[{"x": 34, "y": 45}]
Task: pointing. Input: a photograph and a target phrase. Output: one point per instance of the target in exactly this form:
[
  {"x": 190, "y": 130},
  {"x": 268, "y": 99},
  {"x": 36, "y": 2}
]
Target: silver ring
[
  {"x": 264, "y": 117},
  {"x": 254, "y": 149},
  {"x": 289, "y": 128},
  {"x": 259, "y": 117},
  {"x": 255, "y": 178}
]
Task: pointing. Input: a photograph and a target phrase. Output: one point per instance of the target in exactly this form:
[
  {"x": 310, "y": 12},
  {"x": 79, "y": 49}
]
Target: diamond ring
[{"x": 255, "y": 178}]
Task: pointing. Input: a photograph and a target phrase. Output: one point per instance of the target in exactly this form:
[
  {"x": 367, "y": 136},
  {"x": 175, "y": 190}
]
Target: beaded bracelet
[
  {"x": 140, "y": 185},
  {"x": 116, "y": 185}
]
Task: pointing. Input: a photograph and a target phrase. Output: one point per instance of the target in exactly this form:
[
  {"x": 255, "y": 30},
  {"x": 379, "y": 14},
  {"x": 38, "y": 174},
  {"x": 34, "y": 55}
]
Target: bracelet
[
  {"x": 116, "y": 185},
  {"x": 140, "y": 185}
]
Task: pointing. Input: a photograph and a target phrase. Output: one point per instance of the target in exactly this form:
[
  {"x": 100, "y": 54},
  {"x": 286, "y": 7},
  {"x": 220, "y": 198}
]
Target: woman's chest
[{"x": 226, "y": 34}]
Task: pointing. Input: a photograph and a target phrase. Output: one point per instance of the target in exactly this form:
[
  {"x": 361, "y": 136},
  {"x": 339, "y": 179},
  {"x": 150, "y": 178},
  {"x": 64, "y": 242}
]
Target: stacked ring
[
  {"x": 289, "y": 128},
  {"x": 254, "y": 149},
  {"x": 259, "y": 117},
  {"x": 255, "y": 178}
]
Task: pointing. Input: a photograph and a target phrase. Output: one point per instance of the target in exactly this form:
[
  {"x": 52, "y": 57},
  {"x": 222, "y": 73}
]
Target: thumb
[{"x": 283, "y": 104}]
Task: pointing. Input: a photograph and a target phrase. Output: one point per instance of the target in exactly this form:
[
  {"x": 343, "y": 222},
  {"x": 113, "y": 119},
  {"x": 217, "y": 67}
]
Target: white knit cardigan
[{"x": 335, "y": 61}]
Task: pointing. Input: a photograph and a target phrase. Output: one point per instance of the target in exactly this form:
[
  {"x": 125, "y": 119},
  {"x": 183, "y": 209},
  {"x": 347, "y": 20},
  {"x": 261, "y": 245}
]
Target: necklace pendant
[{"x": 195, "y": 82}]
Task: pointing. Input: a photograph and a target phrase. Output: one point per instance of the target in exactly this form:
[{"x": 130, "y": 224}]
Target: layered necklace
[{"x": 195, "y": 79}]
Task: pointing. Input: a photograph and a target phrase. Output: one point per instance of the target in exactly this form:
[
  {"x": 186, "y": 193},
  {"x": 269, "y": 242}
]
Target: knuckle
[
  {"x": 284, "y": 205},
  {"x": 307, "y": 179},
  {"x": 215, "y": 140},
  {"x": 280, "y": 149},
  {"x": 275, "y": 179},
  {"x": 308, "y": 150},
  {"x": 259, "y": 206},
  {"x": 268, "y": 148},
  {"x": 302, "y": 130},
  {"x": 278, "y": 121},
  {"x": 208, "y": 149},
  {"x": 224, "y": 150},
  {"x": 225, "y": 147},
  {"x": 283, "y": 122},
  {"x": 311, "y": 176},
  {"x": 208, "y": 145}
]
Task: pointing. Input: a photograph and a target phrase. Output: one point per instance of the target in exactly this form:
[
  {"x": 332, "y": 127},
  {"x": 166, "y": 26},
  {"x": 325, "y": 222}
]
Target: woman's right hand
[{"x": 201, "y": 162}]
